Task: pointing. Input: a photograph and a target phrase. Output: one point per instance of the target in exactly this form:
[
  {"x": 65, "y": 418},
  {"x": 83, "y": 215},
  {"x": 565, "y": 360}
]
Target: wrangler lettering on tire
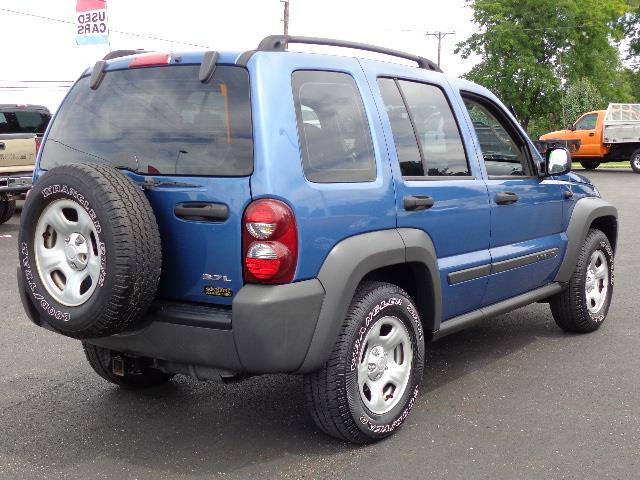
[
  {"x": 89, "y": 250},
  {"x": 370, "y": 383}
]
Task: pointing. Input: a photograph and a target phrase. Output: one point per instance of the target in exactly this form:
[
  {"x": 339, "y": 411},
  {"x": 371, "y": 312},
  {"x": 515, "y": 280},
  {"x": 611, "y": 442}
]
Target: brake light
[
  {"x": 38, "y": 142},
  {"x": 269, "y": 242},
  {"x": 150, "y": 60}
]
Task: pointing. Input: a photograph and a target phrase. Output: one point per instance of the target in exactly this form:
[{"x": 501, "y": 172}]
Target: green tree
[
  {"x": 527, "y": 46},
  {"x": 582, "y": 96},
  {"x": 634, "y": 81},
  {"x": 631, "y": 24}
]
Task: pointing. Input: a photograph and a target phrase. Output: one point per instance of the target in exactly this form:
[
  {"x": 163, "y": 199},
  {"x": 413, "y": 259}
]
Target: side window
[
  {"x": 436, "y": 129},
  {"x": 332, "y": 126},
  {"x": 425, "y": 131},
  {"x": 502, "y": 152},
  {"x": 403, "y": 134},
  {"x": 588, "y": 122}
]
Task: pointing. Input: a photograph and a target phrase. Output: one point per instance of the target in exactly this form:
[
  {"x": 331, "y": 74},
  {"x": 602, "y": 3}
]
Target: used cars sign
[{"x": 91, "y": 22}]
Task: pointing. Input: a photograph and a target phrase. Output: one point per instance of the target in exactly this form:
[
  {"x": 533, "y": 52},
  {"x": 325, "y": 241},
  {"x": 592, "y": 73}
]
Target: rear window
[
  {"x": 159, "y": 120},
  {"x": 23, "y": 121}
]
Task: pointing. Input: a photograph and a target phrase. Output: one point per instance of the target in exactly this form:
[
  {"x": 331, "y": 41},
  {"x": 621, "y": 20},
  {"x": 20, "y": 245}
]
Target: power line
[
  {"x": 38, "y": 81},
  {"x": 59, "y": 20},
  {"x": 43, "y": 87}
]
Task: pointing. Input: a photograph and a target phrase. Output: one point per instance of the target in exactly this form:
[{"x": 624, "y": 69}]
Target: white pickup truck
[{"x": 21, "y": 128}]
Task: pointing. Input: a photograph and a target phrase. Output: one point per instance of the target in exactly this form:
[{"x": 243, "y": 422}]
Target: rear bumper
[
  {"x": 268, "y": 329},
  {"x": 15, "y": 183}
]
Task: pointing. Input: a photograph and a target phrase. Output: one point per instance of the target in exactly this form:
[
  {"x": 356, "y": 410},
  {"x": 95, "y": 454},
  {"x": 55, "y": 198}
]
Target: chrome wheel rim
[
  {"x": 67, "y": 254},
  {"x": 384, "y": 367},
  {"x": 636, "y": 162},
  {"x": 597, "y": 282}
]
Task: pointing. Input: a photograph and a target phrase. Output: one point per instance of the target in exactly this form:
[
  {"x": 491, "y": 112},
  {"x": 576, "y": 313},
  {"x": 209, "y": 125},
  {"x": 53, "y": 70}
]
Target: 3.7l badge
[{"x": 215, "y": 277}]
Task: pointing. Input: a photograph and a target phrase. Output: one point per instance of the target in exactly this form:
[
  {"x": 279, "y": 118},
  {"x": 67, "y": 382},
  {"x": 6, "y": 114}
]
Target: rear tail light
[
  {"x": 38, "y": 142},
  {"x": 269, "y": 242}
]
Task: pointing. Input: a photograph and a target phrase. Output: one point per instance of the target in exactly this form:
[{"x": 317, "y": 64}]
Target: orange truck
[{"x": 611, "y": 135}]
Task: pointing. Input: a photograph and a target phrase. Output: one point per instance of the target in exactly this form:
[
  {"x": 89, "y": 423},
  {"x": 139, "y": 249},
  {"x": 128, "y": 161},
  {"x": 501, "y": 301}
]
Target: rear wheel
[
  {"x": 590, "y": 163},
  {"x": 635, "y": 161},
  {"x": 7, "y": 208},
  {"x": 135, "y": 374},
  {"x": 583, "y": 306},
  {"x": 370, "y": 383}
]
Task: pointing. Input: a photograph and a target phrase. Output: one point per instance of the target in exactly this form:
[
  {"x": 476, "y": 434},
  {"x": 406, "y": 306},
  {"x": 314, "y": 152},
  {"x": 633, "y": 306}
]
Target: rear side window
[
  {"x": 23, "y": 121},
  {"x": 335, "y": 140},
  {"x": 158, "y": 120}
]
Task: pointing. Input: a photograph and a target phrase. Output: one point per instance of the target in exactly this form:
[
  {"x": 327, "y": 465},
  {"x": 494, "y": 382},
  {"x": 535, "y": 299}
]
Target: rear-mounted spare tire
[{"x": 89, "y": 250}]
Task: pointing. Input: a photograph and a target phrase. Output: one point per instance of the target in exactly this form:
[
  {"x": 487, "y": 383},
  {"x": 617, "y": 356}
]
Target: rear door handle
[
  {"x": 418, "y": 202},
  {"x": 506, "y": 198},
  {"x": 592, "y": 134},
  {"x": 202, "y": 212}
]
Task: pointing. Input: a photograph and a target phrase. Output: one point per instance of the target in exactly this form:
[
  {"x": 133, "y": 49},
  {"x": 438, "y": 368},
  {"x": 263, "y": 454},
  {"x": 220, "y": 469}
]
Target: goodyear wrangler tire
[
  {"x": 583, "y": 306},
  {"x": 89, "y": 250},
  {"x": 369, "y": 385}
]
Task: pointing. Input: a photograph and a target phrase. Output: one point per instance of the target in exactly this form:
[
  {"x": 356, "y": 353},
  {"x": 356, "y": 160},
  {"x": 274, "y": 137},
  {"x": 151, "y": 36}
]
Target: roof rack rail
[{"x": 279, "y": 43}]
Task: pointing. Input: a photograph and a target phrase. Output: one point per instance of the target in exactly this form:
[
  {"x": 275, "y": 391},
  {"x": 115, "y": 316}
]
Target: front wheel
[
  {"x": 635, "y": 161},
  {"x": 583, "y": 306},
  {"x": 369, "y": 385},
  {"x": 590, "y": 163}
]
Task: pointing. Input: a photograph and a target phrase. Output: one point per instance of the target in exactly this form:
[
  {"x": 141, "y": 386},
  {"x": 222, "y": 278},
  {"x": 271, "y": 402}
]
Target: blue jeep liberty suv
[{"x": 225, "y": 214}]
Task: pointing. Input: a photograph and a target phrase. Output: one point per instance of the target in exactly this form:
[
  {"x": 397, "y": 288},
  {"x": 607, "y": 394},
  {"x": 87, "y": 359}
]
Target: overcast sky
[{"x": 36, "y": 49}]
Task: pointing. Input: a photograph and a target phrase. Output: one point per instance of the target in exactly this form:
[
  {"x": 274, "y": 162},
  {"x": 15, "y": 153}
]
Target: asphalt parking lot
[{"x": 512, "y": 398}]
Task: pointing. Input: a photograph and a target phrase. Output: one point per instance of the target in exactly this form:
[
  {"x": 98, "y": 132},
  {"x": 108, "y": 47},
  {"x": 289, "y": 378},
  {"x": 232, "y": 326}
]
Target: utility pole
[
  {"x": 286, "y": 16},
  {"x": 439, "y": 35}
]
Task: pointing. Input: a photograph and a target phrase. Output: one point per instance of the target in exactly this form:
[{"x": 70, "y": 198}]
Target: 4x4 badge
[{"x": 215, "y": 277}]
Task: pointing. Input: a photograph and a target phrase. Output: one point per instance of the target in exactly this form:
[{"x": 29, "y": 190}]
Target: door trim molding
[{"x": 474, "y": 273}]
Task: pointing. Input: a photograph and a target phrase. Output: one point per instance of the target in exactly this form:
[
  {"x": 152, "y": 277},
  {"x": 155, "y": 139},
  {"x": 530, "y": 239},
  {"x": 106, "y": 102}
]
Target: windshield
[
  {"x": 23, "y": 121},
  {"x": 159, "y": 120}
]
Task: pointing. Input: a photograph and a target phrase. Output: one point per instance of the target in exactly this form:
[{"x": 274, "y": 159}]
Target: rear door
[
  {"x": 190, "y": 144},
  {"x": 437, "y": 189}
]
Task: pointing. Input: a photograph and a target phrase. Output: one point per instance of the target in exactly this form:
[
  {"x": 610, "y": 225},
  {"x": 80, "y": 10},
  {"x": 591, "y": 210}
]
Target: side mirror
[
  {"x": 558, "y": 161},
  {"x": 571, "y": 127}
]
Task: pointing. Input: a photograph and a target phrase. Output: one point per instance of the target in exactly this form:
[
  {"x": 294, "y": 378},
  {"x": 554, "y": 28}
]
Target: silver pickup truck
[{"x": 21, "y": 128}]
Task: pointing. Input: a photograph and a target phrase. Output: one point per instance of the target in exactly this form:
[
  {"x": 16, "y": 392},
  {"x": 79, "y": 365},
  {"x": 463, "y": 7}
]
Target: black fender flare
[
  {"x": 345, "y": 267},
  {"x": 585, "y": 212}
]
